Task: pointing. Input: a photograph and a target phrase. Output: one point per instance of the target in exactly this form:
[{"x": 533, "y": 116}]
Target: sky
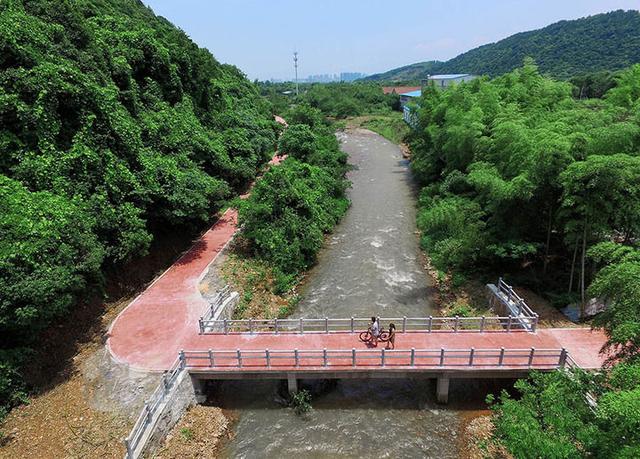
[{"x": 369, "y": 36}]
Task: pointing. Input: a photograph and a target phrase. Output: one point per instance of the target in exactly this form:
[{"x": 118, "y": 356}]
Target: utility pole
[{"x": 295, "y": 65}]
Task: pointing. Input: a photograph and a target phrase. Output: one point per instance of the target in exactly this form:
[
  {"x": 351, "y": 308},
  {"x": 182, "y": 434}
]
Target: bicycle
[{"x": 367, "y": 337}]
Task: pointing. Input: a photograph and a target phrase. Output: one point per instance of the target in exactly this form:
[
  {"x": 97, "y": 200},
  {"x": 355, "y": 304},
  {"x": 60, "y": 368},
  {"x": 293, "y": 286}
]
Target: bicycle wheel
[
  {"x": 365, "y": 336},
  {"x": 384, "y": 336}
]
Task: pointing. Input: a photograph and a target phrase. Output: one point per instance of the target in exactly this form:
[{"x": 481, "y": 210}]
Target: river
[{"x": 371, "y": 265}]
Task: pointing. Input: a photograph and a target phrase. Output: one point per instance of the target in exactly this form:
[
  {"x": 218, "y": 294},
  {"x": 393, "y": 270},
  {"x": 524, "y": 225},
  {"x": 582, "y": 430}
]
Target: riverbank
[{"x": 82, "y": 404}]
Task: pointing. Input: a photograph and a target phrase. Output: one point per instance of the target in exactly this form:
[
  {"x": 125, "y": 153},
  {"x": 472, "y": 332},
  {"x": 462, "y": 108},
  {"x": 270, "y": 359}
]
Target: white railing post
[
  {"x": 326, "y": 325},
  {"x": 275, "y": 325},
  {"x": 267, "y": 357},
  {"x": 482, "y": 324},
  {"x": 413, "y": 356},
  {"x": 226, "y": 327},
  {"x": 382, "y": 357},
  {"x": 353, "y": 357},
  {"x": 301, "y": 326},
  {"x": 404, "y": 324},
  {"x": 352, "y": 327},
  {"x": 239, "y": 356},
  {"x": 533, "y": 350},
  {"x": 211, "y": 361},
  {"x": 455, "y": 326},
  {"x": 183, "y": 359},
  {"x": 296, "y": 357},
  {"x": 471, "y": 357},
  {"x": 201, "y": 325},
  {"x": 441, "y": 356},
  {"x": 520, "y": 307},
  {"x": 501, "y": 359},
  {"x": 251, "y": 325},
  {"x": 534, "y": 323},
  {"x": 324, "y": 357},
  {"x": 509, "y": 323}
]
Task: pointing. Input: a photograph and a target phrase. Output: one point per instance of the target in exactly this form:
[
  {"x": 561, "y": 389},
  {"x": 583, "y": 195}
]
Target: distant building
[
  {"x": 399, "y": 89},
  {"x": 409, "y": 112},
  {"x": 444, "y": 81},
  {"x": 351, "y": 76},
  {"x": 410, "y": 96}
]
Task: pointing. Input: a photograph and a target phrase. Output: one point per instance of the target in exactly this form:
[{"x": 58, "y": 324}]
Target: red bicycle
[{"x": 367, "y": 337}]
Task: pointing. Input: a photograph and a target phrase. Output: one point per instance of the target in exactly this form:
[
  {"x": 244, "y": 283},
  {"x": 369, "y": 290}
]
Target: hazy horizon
[{"x": 370, "y": 37}]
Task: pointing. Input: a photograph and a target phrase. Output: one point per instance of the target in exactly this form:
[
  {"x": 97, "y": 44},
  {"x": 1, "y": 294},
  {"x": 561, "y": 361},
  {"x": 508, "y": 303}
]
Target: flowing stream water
[{"x": 371, "y": 265}]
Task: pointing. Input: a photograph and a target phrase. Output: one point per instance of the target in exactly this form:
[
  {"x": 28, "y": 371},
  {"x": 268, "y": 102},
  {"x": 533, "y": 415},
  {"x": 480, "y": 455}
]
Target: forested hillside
[
  {"x": 412, "y": 72},
  {"x": 609, "y": 41},
  {"x": 522, "y": 179},
  {"x": 113, "y": 124}
]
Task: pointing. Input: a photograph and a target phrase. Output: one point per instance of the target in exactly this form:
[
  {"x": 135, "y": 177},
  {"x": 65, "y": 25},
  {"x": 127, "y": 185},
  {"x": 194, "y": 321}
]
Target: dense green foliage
[
  {"x": 519, "y": 173},
  {"x": 520, "y": 177},
  {"x": 114, "y": 124},
  {"x": 552, "y": 419},
  {"x": 336, "y": 100},
  {"x": 609, "y": 41},
  {"x": 593, "y": 85},
  {"x": 295, "y": 204}
]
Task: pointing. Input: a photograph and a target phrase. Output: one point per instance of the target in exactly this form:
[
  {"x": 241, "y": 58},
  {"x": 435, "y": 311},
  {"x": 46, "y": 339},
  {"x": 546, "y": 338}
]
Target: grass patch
[
  {"x": 262, "y": 291},
  {"x": 390, "y": 126},
  {"x": 186, "y": 433}
]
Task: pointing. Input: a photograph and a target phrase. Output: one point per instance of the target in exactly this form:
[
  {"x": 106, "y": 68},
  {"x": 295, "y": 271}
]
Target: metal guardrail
[
  {"x": 218, "y": 300},
  {"x": 511, "y": 296},
  {"x": 353, "y": 325},
  {"x": 266, "y": 360},
  {"x": 151, "y": 405},
  {"x": 590, "y": 398}
]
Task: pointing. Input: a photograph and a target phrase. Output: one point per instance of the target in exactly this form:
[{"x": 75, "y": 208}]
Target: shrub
[{"x": 301, "y": 401}]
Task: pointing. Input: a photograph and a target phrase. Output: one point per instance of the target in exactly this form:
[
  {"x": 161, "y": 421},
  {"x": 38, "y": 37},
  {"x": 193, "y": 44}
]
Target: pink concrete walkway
[{"x": 150, "y": 331}]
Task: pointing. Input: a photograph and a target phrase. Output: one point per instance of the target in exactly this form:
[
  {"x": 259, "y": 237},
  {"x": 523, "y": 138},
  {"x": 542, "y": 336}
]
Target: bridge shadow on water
[{"x": 377, "y": 394}]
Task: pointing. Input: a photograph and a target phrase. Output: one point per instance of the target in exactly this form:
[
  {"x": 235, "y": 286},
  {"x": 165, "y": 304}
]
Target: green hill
[
  {"x": 609, "y": 41},
  {"x": 115, "y": 127},
  {"x": 411, "y": 72}
]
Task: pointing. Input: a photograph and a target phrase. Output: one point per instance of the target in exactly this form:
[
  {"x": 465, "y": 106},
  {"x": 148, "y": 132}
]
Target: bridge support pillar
[
  {"x": 442, "y": 390},
  {"x": 292, "y": 383},
  {"x": 199, "y": 389}
]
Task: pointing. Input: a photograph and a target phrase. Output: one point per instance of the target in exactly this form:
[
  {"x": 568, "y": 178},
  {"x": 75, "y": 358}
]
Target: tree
[{"x": 601, "y": 194}]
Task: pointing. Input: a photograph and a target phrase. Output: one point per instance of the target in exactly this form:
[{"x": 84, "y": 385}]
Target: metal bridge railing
[
  {"x": 265, "y": 360},
  {"x": 512, "y": 297},
  {"x": 353, "y": 325}
]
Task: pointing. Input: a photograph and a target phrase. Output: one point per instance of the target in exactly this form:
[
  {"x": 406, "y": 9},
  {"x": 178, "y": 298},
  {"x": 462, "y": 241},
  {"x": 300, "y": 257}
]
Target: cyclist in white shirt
[{"x": 374, "y": 328}]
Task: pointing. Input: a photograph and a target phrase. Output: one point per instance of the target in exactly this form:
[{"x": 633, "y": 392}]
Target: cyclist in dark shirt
[{"x": 391, "y": 342}]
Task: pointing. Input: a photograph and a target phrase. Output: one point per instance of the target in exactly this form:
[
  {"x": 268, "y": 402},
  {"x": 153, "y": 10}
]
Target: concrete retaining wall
[{"x": 182, "y": 396}]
